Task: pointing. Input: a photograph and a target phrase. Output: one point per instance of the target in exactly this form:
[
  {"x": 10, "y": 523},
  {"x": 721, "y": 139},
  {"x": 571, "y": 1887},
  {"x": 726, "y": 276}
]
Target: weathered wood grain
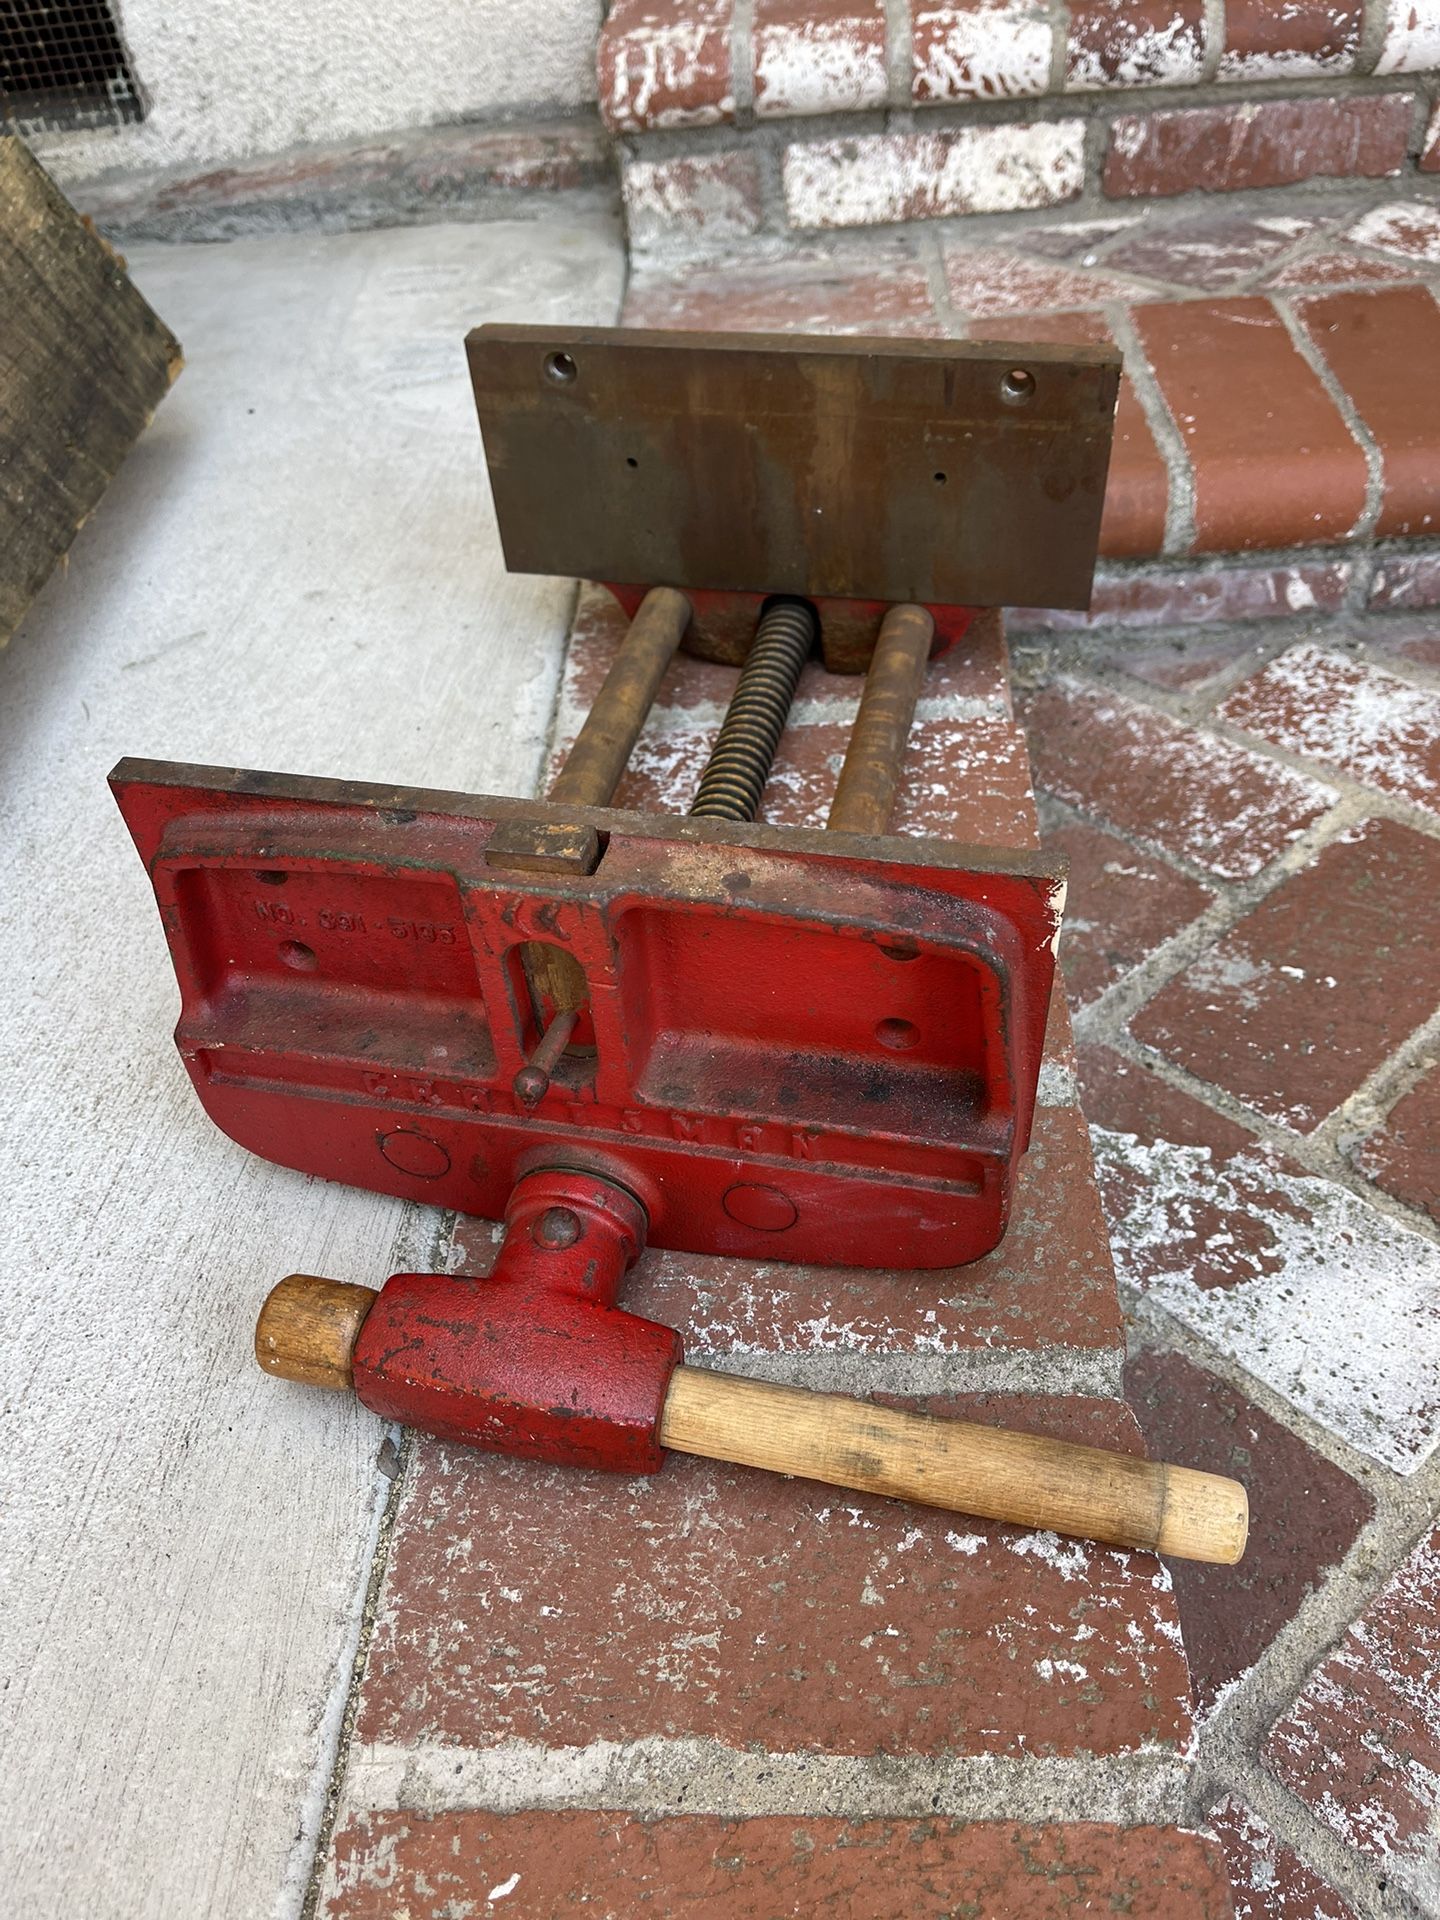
[
  {"x": 295, "y": 568},
  {"x": 83, "y": 365}
]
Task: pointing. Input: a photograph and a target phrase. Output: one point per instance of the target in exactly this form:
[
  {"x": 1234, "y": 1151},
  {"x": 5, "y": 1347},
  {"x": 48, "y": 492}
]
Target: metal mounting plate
[{"x": 946, "y": 473}]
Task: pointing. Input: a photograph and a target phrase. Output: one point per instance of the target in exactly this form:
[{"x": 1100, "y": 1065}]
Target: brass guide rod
[
  {"x": 592, "y": 771},
  {"x": 604, "y": 744},
  {"x": 870, "y": 776}
]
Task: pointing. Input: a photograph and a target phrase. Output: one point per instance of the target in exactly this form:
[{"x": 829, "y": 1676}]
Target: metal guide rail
[{"x": 608, "y": 1027}]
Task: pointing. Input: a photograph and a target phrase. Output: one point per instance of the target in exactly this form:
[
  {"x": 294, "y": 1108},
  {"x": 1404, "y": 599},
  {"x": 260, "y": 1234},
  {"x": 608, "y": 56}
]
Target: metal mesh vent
[{"x": 62, "y": 65}]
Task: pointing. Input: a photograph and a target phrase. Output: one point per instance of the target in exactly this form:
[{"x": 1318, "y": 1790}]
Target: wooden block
[{"x": 83, "y": 365}]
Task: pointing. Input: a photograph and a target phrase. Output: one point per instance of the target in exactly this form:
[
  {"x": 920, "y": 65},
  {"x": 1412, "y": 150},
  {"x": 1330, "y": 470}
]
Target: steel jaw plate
[{"x": 795, "y": 1045}]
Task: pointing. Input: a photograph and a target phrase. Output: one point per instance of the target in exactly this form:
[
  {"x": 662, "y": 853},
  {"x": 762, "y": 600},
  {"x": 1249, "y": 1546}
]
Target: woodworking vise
[{"x": 613, "y": 1029}]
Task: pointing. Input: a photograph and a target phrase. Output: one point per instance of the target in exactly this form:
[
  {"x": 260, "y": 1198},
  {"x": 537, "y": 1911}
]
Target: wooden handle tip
[
  {"x": 308, "y": 1328},
  {"x": 1205, "y": 1517}
]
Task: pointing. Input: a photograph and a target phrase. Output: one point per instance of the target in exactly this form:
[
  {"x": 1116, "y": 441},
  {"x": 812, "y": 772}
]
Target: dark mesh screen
[{"x": 62, "y": 65}]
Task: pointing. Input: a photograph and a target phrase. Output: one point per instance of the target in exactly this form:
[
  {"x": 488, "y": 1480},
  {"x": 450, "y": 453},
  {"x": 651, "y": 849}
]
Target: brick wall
[{"x": 989, "y": 106}]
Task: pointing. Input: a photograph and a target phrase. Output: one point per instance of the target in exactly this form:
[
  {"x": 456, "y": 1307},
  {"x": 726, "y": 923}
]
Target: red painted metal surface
[
  {"x": 537, "y": 1360},
  {"x": 793, "y": 1045}
]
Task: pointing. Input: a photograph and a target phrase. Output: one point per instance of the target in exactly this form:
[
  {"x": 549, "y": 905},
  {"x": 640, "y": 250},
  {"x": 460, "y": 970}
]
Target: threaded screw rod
[{"x": 744, "y": 750}]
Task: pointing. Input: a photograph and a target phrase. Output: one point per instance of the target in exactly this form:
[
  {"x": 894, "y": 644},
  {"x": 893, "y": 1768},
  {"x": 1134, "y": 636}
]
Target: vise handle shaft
[
  {"x": 309, "y": 1327},
  {"x": 993, "y": 1472}
]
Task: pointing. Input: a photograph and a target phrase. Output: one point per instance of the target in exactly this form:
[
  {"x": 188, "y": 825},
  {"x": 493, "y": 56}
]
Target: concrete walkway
[{"x": 296, "y": 569}]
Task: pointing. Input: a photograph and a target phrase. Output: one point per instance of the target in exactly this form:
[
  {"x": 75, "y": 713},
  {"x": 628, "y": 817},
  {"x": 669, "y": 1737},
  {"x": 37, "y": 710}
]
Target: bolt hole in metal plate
[{"x": 943, "y": 472}]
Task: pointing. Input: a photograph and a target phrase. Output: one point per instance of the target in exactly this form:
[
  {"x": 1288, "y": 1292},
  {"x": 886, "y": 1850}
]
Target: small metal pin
[{"x": 532, "y": 1082}]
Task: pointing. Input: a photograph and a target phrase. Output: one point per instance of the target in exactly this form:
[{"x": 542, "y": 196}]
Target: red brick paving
[
  {"x": 989, "y": 282},
  {"x": 881, "y": 290},
  {"x": 1275, "y": 465},
  {"x": 1361, "y": 1745},
  {"x": 1380, "y": 730},
  {"x": 1410, "y": 229},
  {"x": 1305, "y": 1515},
  {"x": 714, "y": 195},
  {"x": 936, "y": 1690},
  {"x": 1313, "y": 989},
  {"x": 1180, "y": 666},
  {"x": 1269, "y": 143},
  {"x": 1195, "y": 798},
  {"x": 715, "y": 1602},
  {"x": 1405, "y": 580},
  {"x": 1414, "y": 641},
  {"x": 608, "y": 1866},
  {"x": 1294, "y": 1280},
  {"x": 1075, "y": 240},
  {"x": 1120, "y": 907},
  {"x": 1269, "y": 1881},
  {"x": 1210, "y": 251},
  {"x": 976, "y": 669},
  {"x": 1403, "y": 1154},
  {"x": 990, "y": 806},
  {"x": 1197, "y": 596},
  {"x": 1368, "y": 340},
  {"x": 1219, "y": 1247},
  {"x": 1332, "y": 266}
]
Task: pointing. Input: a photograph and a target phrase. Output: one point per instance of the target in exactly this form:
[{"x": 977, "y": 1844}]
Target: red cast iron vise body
[{"x": 609, "y": 1027}]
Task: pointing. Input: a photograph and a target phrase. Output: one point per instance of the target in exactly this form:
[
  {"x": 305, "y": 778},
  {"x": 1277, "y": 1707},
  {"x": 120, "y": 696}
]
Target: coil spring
[{"x": 739, "y": 764}]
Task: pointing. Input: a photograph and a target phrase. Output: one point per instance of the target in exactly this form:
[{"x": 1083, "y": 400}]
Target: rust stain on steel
[{"x": 939, "y": 472}]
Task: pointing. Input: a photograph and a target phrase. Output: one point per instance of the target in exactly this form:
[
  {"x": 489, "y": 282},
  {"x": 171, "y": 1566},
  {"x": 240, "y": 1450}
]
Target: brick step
[
  {"x": 708, "y": 62},
  {"x": 1273, "y": 402},
  {"x": 608, "y": 1864}
]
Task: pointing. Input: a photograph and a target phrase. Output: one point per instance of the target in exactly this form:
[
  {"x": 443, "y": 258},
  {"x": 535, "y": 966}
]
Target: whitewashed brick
[
  {"x": 1408, "y": 227},
  {"x": 688, "y": 203},
  {"x": 1412, "y": 37},
  {"x": 990, "y": 50},
  {"x": 832, "y": 63},
  {"x": 890, "y": 177},
  {"x": 1171, "y": 55}
]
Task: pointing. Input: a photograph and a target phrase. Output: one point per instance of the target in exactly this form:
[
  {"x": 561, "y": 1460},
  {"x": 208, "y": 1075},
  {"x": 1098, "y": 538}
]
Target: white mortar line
[
  {"x": 656, "y": 1774},
  {"x": 742, "y": 62},
  {"x": 1059, "y": 45},
  {"x": 1214, "y": 43},
  {"x": 899, "y": 59},
  {"x": 1372, "y": 40},
  {"x": 1315, "y": 359},
  {"x": 1180, "y": 479}
]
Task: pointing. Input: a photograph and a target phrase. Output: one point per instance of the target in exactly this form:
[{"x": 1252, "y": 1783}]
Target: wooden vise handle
[
  {"x": 308, "y": 1328},
  {"x": 990, "y": 1471}
]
